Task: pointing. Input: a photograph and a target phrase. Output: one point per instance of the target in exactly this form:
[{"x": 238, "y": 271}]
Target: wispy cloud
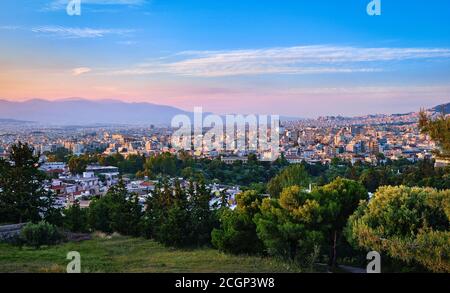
[
  {"x": 80, "y": 70},
  {"x": 72, "y": 32},
  {"x": 287, "y": 60},
  {"x": 62, "y": 4}
]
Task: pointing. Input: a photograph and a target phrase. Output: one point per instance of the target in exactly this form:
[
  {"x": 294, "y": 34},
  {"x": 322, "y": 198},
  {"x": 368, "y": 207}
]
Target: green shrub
[
  {"x": 40, "y": 234},
  {"x": 237, "y": 232},
  {"x": 411, "y": 225}
]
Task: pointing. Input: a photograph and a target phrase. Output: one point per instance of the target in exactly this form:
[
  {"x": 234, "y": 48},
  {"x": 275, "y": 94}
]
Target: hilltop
[{"x": 442, "y": 107}]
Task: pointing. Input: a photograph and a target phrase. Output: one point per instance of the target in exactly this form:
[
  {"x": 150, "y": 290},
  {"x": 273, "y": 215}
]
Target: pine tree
[
  {"x": 75, "y": 219},
  {"x": 118, "y": 211},
  {"x": 202, "y": 216},
  {"x": 438, "y": 130},
  {"x": 22, "y": 194}
]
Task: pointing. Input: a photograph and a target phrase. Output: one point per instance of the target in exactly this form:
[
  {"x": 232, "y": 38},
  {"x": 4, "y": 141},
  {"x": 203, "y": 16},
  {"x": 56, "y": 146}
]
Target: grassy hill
[{"x": 125, "y": 254}]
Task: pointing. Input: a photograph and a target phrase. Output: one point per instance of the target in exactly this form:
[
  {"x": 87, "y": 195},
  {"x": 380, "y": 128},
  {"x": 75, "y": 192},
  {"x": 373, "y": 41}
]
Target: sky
[{"x": 297, "y": 58}]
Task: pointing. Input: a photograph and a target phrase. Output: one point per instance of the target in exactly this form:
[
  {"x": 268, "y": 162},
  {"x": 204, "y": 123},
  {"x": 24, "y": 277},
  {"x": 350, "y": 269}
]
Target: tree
[
  {"x": 112, "y": 160},
  {"x": 60, "y": 155},
  {"x": 77, "y": 165},
  {"x": 174, "y": 221},
  {"x": 22, "y": 194},
  {"x": 299, "y": 223},
  {"x": 178, "y": 216},
  {"x": 75, "y": 218},
  {"x": 337, "y": 200},
  {"x": 131, "y": 165},
  {"x": 118, "y": 211},
  {"x": 99, "y": 215},
  {"x": 237, "y": 232},
  {"x": 290, "y": 176},
  {"x": 408, "y": 224},
  {"x": 290, "y": 227},
  {"x": 201, "y": 214},
  {"x": 164, "y": 164},
  {"x": 438, "y": 130}
]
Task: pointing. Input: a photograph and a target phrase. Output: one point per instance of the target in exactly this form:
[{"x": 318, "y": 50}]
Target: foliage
[
  {"x": 214, "y": 170},
  {"x": 290, "y": 176},
  {"x": 60, "y": 155},
  {"x": 178, "y": 216},
  {"x": 39, "y": 234},
  {"x": 118, "y": 211},
  {"x": 76, "y": 218},
  {"x": 130, "y": 165},
  {"x": 290, "y": 226},
  {"x": 400, "y": 172},
  {"x": 78, "y": 164},
  {"x": 169, "y": 210},
  {"x": 255, "y": 174},
  {"x": 408, "y": 224},
  {"x": 22, "y": 194},
  {"x": 337, "y": 200},
  {"x": 299, "y": 223},
  {"x": 438, "y": 130},
  {"x": 164, "y": 164},
  {"x": 201, "y": 216},
  {"x": 237, "y": 232}
]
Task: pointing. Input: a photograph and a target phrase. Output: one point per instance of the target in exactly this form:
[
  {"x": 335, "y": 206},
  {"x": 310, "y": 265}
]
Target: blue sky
[{"x": 288, "y": 57}]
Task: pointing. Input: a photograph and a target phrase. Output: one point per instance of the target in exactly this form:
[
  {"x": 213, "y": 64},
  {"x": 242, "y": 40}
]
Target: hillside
[
  {"x": 13, "y": 121},
  {"x": 125, "y": 254},
  {"x": 443, "y": 107}
]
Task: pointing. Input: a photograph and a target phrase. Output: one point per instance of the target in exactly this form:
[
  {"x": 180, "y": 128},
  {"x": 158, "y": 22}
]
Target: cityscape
[
  {"x": 371, "y": 139},
  {"x": 195, "y": 140}
]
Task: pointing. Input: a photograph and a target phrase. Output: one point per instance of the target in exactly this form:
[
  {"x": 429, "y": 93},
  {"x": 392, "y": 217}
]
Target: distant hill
[
  {"x": 444, "y": 107},
  {"x": 83, "y": 112},
  {"x": 14, "y": 121}
]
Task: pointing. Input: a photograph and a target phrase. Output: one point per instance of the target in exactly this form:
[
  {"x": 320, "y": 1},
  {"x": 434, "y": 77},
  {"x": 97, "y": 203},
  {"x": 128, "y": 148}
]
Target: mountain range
[
  {"x": 83, "y": 112},
  {"x": 14, "y": 121}
]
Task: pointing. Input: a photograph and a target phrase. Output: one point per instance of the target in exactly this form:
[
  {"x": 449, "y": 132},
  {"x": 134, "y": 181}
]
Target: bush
[
  {"x": 40, "y": 234},
  {"x": 237, "y": 232},
  {"x": 408, "y": 224}
]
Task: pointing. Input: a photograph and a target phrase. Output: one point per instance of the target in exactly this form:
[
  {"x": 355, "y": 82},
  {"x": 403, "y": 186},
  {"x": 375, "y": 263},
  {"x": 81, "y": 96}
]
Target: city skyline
[{"x": 293, "y": 58}]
